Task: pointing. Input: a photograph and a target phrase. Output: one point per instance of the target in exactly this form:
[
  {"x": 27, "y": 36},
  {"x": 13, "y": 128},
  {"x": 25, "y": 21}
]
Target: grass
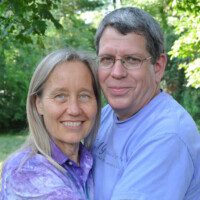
[{"x": 9, "y": 142}]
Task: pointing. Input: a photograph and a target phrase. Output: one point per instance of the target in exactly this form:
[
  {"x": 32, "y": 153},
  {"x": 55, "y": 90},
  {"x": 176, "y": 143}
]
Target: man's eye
[
  {"x": 131, "y": 59},
  {"x": 106, "y": 59}
]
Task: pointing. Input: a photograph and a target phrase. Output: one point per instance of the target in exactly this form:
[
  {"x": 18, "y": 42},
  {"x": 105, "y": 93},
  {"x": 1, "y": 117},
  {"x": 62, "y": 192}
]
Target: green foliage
[
  {"x": 26, "y": 35},
  {"x": 75, "y": 33},
  {"x": 191, "y": 101},
  {"x": 186, "y": 20},
  {"x": 17, "y": 67},
  {"x": 21, "y": 19}
]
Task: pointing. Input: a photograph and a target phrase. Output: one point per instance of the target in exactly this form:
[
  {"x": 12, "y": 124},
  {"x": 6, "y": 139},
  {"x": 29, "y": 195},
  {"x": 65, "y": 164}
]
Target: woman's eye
[
  {"x": 60, "y": 97},
  {"x": 84, "y": 97}
]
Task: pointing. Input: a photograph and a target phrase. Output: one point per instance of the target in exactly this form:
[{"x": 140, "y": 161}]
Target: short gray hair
[
  {"x": 39, "y": 139},
  {"x": 130, "y": 19}
]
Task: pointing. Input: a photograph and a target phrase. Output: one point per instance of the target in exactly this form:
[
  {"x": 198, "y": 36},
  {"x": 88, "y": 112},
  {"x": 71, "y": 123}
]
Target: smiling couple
[{"x": 145, "y": 147}]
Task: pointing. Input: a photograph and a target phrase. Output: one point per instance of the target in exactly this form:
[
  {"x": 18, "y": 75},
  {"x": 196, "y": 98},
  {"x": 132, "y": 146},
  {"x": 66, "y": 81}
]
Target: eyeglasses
[{"x": 129, "y": 61}]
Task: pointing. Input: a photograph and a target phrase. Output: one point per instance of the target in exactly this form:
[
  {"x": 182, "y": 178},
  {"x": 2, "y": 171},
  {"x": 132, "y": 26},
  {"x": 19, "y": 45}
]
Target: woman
[{"x": 63, "y": 109}]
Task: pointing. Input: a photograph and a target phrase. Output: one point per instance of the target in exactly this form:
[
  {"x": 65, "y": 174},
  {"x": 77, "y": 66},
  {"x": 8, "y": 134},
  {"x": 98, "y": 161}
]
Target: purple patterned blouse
[{"x": 38, "y": 179}]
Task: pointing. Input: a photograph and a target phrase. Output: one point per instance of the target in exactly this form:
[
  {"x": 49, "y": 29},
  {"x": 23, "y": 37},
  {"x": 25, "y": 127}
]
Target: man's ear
[
  {"x": 39, "y": 105},
  {"x": 159, "y": 67}
]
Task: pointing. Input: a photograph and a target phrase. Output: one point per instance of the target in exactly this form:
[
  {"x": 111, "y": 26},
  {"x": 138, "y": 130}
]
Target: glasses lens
[
  {"x": 131, "y": 62},
  {"x": 106, "y": 61}
]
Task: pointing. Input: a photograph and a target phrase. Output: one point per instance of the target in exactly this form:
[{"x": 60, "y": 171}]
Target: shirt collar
[
  {"x": 117, "y": 121},
  {"x": 61, "y": 158},
  {"x": 57, "y": 154}
]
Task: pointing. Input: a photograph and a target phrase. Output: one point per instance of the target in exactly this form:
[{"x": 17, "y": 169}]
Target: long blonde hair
[{"x": 38, "y": 138}]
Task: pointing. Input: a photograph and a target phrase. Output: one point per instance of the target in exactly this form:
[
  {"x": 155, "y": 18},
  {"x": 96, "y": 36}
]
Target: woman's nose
[{"x": 73, "y": 108}]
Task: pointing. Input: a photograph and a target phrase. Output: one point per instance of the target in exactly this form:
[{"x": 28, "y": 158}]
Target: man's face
[{"x": 127, "y": 90}]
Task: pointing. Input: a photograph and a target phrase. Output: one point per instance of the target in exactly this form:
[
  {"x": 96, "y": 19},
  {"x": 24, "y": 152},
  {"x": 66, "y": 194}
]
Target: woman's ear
[
  {"x": 39, "y": 105},
  {"x": 159, "y": 67}
]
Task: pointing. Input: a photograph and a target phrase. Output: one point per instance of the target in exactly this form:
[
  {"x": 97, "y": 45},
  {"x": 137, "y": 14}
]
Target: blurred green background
[{"x": 31, "y": 29}]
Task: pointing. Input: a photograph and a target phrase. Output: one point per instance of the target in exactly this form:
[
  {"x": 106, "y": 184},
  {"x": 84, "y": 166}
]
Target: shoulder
[
  {"x": 165, "y": 114},
  {"x": 172, "y": 108},
  {"x": 15, "y": 159},
  {"x": 163, "y": 121},
  {"x": 28, "y": 174},
  {"x": 106, "y": 113},
  {"x": 24, "y": 159},
  {"x": 106, "y": 109}
]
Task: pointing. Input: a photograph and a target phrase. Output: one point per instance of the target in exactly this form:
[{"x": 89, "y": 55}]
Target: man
[{"x": 148, "y": 146}]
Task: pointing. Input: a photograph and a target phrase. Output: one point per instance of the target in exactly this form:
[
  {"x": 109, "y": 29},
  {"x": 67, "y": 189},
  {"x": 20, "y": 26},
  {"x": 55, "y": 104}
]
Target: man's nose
[{"x": 118, "y": 70}]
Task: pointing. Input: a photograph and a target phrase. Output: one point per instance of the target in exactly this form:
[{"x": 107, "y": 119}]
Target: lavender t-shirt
[{"x": 38, "y": 179}]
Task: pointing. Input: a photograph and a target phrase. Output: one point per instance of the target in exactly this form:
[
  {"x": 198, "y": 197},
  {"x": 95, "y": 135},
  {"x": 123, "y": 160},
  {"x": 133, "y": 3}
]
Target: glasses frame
[{"x": 122, "y": 61}]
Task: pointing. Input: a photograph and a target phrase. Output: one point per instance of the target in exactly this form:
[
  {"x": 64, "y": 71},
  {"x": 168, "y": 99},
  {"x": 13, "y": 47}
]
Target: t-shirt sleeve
[
  {"x": 161, "y": 168},
  {"x": 38, "y": 183}
]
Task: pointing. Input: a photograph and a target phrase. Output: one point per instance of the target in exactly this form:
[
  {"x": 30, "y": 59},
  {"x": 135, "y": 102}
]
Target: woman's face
[{"x": 68, "y": 104}]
